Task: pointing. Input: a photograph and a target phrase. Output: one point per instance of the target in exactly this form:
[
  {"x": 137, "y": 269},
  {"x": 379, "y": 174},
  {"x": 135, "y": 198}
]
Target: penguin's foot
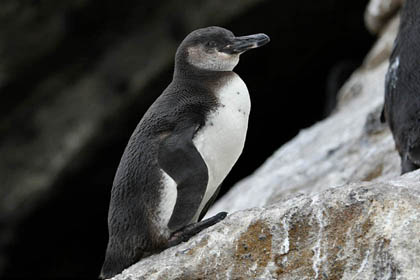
[{"x": 189, "y": 231}]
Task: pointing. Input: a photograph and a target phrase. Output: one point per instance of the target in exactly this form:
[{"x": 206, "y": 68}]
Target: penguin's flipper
[{"x": 180, "y": 159}]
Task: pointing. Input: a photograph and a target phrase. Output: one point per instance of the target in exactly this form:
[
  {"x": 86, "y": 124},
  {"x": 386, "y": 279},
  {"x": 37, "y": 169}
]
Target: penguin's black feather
[{"x": 402, "y": 88}]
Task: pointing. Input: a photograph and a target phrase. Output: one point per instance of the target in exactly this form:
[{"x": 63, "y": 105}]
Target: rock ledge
[{"x": 357, "y": 231}]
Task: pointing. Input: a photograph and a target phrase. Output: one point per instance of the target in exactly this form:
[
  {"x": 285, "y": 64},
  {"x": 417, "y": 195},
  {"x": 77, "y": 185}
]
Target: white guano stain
[
  {"x": 318, "y": 258},
  {"x": 363, "y": 265},
  {"x": 284, "y": 248}
]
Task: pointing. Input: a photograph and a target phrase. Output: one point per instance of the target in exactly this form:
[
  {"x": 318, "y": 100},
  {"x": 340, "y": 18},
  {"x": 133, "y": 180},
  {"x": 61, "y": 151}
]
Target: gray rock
[
  {"x": 357, "y": 231},
  {"x": 379, "y": 12}
]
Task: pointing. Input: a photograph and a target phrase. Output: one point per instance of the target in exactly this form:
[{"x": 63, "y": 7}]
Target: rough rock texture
[
  {"x": 358, "y": 231},
  {"x": 332, "y": 203}
]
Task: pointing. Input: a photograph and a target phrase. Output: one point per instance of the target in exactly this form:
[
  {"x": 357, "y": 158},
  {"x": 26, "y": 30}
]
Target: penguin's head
[{"x": 216, "y": 49}]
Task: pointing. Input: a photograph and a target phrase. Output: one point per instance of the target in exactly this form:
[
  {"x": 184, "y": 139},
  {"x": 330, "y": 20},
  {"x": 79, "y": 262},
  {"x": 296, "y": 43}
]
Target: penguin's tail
[{"x": 414, "y": 154}]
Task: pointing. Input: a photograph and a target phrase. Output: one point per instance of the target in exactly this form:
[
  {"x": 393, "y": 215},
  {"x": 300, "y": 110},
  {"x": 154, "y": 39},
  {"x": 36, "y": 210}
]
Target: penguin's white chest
[{"x": 221, "y": 140}]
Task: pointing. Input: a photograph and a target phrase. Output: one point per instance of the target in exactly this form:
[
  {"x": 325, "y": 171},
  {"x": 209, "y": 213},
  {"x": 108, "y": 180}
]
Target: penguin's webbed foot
[{"x": 189, "y": 231}]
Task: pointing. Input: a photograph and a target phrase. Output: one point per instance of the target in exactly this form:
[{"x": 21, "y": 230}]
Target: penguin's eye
[{"x": 211, "y": 44}]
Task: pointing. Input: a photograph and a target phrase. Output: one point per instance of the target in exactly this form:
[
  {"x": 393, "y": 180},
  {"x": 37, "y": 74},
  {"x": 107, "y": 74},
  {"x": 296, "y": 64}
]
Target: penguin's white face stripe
[
  {"x": 214, "y": 61},
  {"x": 221, "y": 140}
]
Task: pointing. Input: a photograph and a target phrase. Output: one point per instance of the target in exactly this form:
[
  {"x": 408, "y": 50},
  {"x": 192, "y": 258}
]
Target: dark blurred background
[{"x": 76, "y": 76}]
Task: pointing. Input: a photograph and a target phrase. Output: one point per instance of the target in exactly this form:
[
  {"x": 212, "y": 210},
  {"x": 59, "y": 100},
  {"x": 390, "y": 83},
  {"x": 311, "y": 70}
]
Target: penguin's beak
[{"x": 244, "y": 43}]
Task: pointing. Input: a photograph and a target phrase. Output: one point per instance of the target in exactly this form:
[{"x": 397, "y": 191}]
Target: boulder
[{"x": 366, "y": 230}]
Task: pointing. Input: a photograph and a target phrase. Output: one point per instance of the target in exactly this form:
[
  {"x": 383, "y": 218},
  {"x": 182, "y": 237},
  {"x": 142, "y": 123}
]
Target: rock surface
[
  {"x": 357, "y": 231},
  {"x": 331, "y": 202},
  {"x": 379, "y": 12}
]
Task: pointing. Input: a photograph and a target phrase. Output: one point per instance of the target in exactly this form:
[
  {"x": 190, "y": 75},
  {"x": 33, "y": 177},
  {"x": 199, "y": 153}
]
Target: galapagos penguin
[
  {"x": 180, "y": 152},
  {"x": 402, "y": 88}
]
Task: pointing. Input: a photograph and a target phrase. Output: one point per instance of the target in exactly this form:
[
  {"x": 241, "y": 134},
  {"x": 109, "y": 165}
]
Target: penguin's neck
[
  {"x": 208, "y": 81},
  {"x": 190, "y": 72}
]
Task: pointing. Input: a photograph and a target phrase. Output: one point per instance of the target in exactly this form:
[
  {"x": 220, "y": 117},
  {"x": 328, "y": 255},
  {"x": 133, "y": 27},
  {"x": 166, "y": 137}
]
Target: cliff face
[{"x": 330, "y": 204}]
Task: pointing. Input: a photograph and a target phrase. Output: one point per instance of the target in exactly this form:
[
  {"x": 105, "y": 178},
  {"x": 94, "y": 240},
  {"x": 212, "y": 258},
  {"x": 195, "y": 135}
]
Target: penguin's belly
[{"x": 221, "y": 140}]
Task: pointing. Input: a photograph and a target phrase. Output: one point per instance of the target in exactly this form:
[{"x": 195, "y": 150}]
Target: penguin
[
  {"x": 402, "y": 88},
  {"x": 181, "y": 150}
]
